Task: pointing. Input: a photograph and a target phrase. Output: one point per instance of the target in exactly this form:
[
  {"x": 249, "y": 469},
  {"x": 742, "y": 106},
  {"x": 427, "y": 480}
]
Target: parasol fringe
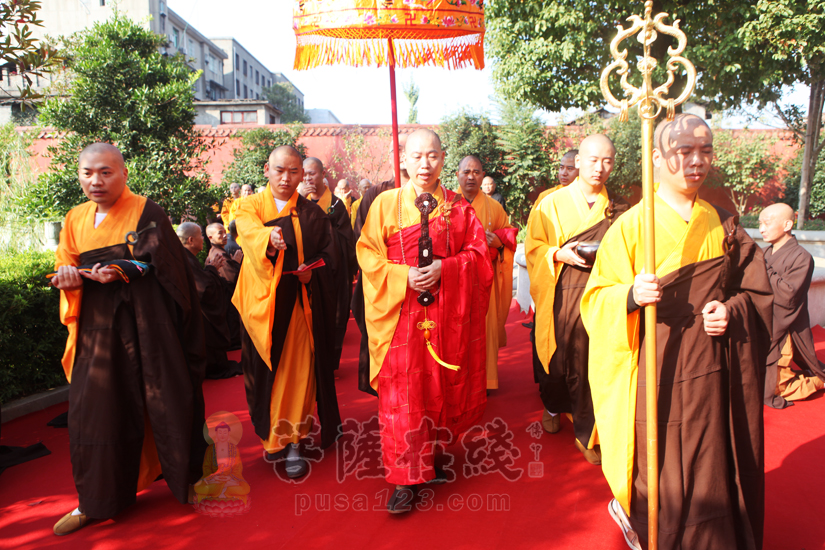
[{"x": 454, "y": 53}]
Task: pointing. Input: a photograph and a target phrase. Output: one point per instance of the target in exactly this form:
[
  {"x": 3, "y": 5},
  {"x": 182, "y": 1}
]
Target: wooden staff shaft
[
  {"x": 396, "y": 163},
  {"x": 651, "y": 388}
]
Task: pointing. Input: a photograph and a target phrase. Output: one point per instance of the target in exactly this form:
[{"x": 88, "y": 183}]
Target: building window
[
  {"x": 272, "y": 119},
  {"x": 237, "y": 63},
  {"x": 212, "y": 63},
  {"x": 244, "y": 67},
  {"x": 102, "y": 2},
  {"x": 239, "y": 117},
  {"x": 245, "y": 94},
  {"x": 237, "y": 88},
  {"x": 191, "y": 47},
  {"x": 257, "y": 78},
  {"x": 175, "y": 38}
]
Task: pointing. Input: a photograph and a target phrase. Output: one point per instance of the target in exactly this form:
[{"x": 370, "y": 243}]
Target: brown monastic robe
[
  {"x": 229, "y": 272},
  {"x": 214, "y": 300},
  {"x": 790, "y": 270},
  {"x": 346, "y": 268},
  {"x": 137, "y": 364},
  {"x": 259, "y": 378},
  {"x": 358, "y": 293}
]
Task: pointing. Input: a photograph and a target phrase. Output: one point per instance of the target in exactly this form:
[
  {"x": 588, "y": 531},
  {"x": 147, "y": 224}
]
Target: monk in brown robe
[
  {"x": 313, "y": 188},
  {"x": 214, "y": 299},
  {"x": 566, "y": 174},
  {"x": 367, "y": 198},
  {"x": 288, "y": 313},
  {"x": 229, "y": 267},
  {"x": 135, "y": 353},
  {"x": 501, "y": 241},
  {"x": 579, "y": 212},
  {"x": 790, "y": 268},
  {"x": 713, "y": 331}
]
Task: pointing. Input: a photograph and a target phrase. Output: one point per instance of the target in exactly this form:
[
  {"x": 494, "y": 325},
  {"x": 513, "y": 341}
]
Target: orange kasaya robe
[
  {"x": 494, "y": 219},
  {"x": 278, "y": 313},
  {"x": 132, "y": 412},
  {"x": 226, "y": 208},
  {"x": 422, "y": 403}
]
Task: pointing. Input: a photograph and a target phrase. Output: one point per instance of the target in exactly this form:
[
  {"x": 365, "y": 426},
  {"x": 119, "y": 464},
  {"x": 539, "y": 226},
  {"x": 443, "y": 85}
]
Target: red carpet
[{"x": 563, "y": 507}]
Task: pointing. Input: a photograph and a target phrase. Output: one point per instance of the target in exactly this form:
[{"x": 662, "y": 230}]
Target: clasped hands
[
  {"x": 276, "y": 242},
  {"x": 647, "y": 291},
  {"x": 425, "y": 278},
  {"x": 70, "y": 278}
]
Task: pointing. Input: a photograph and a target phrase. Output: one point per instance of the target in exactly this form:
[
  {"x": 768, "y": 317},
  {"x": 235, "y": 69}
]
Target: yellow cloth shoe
[
  {"x": 551, "y": 424},
  {"x": 70, "y": 524},
  {"x": 590, "y": 455}
]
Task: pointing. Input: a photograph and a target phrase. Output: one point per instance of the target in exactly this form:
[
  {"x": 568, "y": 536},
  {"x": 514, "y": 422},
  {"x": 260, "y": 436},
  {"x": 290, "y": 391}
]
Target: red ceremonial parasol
[{"x": 403, "y": 33}]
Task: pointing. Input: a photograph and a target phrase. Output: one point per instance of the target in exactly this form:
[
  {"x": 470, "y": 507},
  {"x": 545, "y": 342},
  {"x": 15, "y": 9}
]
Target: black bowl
[{"x": 587, "y": 250}]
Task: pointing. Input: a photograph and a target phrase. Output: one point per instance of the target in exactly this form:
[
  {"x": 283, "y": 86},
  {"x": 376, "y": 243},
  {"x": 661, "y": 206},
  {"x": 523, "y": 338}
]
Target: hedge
[{"x": 32, "y": 338}]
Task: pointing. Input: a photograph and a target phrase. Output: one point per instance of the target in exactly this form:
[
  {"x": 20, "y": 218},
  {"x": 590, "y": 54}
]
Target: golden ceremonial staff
[{"x": 650, "y": 102}]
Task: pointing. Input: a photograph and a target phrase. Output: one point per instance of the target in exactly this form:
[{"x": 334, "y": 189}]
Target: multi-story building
[
  {"x": 65, "y": 17},
  {"x": 244, "y": 76}
]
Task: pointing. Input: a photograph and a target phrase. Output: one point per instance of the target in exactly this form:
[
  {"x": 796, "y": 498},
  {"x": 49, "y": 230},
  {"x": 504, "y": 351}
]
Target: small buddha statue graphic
[{"x": 222, "y": 491}]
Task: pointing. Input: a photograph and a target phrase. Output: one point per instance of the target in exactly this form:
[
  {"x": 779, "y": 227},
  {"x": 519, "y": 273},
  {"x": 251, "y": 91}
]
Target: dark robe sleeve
[{"x": 790, "y": 278}]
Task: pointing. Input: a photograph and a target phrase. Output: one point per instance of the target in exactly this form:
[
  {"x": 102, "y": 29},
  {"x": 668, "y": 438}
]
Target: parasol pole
[
  {"x": 650, "y": 102},
  {"x": 394, "y": 104}
]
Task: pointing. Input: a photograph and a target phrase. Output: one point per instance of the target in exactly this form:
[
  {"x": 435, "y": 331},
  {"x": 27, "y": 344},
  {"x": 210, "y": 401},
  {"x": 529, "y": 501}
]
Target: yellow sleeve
[
  {"x": 385, "y": 283},
  {"x": 614, "y": 352},
  {"x": 255, "y": 238}
]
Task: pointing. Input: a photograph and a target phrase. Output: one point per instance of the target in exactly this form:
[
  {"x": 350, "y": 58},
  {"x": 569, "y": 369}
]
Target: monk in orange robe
[
  {"x": 426, "y": 325},
  {"x": 227, "y": 207},
  {"x": 501, "y": 240},
  {"x": 288, "y": 313},
  {"x": 135, "y": 353}
]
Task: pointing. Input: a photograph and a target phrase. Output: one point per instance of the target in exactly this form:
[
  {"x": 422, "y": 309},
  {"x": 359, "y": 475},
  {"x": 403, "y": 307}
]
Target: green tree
[
  {"x": 465, "y": 133},
  {"x": 792, "y": 33},
  {"x": 526, "y": 151},
  {"x": 817, "y": 194},
  {"x": 358, "y": 158},
  {"x": 247, "y": 166},
  {"x": 30, "y": 57},
  {"x": 412, "y": 92},
  {"x": 282, "y": 95},
  {"x": 743, "y": 165},
  {"x": 123, "y": 91}
]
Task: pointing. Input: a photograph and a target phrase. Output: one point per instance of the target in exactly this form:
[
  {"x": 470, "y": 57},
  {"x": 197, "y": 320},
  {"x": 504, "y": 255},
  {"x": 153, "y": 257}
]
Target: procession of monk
[{"x": 427, "y": 274}]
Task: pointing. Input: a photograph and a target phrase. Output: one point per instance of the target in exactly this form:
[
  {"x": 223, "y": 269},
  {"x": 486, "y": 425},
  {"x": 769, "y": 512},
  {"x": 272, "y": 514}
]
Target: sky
[{"x": 362, "y": 95}]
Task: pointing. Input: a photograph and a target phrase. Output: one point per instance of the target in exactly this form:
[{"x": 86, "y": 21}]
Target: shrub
[{"x": 31, "y": 335}]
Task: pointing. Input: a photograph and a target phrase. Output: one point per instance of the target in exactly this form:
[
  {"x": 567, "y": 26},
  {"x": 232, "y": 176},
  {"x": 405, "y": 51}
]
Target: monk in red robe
[
  {"x": 135, "y": 353},
  {"x": 426, "y": 325}
]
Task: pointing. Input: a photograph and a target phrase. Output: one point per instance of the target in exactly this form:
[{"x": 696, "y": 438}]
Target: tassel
[{"x": 438, "y": 359}]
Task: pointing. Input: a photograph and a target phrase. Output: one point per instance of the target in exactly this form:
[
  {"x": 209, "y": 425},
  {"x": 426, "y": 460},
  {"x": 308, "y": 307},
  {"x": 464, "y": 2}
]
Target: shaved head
[
  {"x": 424, "y": 134},
  {"x": 680, "y": 122},
  {"x": 188, "y": 229},
  {"x": 103, "y": 148},
  {"x": 287, "y": 150},
  {"x": 776, "y": 224},
  {"x": 313, "y": 161},
  {"x": 780, "y": 211},
  {"x": 213, "y": 228},
  {"x": 468, "y": 158},
  {"x": 567, "y": 167},
  {"x": 595, "y": 160}
]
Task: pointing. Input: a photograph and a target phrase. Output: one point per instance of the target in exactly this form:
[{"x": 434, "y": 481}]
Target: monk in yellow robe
[
  {"x": 566, "y": 174},
  {"x": 234, "y": 194},
  {"x": 580, "y": 212},
  {"x": 288, "y": 313},
  {"x": 501, "y": 240},
  {"x": 425, "y": 324},
  {"x": 713, "y": 335},
  {"x": 135, "y": 353}
]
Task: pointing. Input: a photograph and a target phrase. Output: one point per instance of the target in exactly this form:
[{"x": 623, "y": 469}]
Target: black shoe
[
  {"x": 401, "y": 500},
  {"x": 440, "y": 477},
  {"x": 296, "y": 466}
]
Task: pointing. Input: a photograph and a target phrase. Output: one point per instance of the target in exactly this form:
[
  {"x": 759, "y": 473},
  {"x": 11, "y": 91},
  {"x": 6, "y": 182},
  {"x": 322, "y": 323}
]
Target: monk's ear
[
  {"x": 266, "y": 171},
  {"x": 657, "y": 158},
  {"x": 578, "y": 162},
  {"x": 787, "y": 226}
]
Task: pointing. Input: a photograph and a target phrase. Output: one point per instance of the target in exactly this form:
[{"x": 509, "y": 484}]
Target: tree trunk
[{"x": 809, "y": 157}]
